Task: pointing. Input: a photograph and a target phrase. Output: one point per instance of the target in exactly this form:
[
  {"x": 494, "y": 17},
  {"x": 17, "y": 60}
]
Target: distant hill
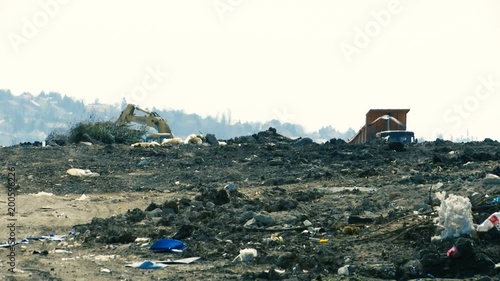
[{"x": 28, "y": 118}]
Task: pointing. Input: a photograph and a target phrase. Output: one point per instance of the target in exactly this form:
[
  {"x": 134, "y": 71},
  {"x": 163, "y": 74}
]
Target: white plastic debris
[
  {"x": 142, "y": 239},
  {"x": 145, "y": 144},
  {"x": 54, "y": 237},
  {"x": 489, "y": 223},
  {"x": 173, "y": 141},
  {"x": 491, "y": 179},
  {"x": 246, "y": 255},
  {"x": 60, "y": 251},
  {"x": 82, "y": 198},
  {"x": 193, "y": 139},
  {"x": 280, "y": 271},
  {"x": 455, "y": 215},
  {"x": 81, "y": 172},
  {"x": 42, "y": 193},
  {"x": 105, "y": 270},
  {"x": 105, "y": 257},
  {"x": 17, "y": 270},
  {"x": 438, "y": 185},
  {"x": 307, "y": 223},
  {"x": 179, "y": 261},
  {"x": 343, "y": 270}
]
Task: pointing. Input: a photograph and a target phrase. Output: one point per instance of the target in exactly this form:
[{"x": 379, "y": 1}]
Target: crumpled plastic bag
[
  {"x": 455, "y": 215},
  {"x": 81, "y": 173}
]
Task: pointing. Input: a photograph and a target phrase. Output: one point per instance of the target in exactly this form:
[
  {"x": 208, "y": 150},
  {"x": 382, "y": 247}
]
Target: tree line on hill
[{"x": 29, "y": 118}]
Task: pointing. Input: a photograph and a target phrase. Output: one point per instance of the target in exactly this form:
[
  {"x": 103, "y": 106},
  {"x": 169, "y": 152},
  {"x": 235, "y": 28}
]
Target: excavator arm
[{"x": 151, "y": 119}]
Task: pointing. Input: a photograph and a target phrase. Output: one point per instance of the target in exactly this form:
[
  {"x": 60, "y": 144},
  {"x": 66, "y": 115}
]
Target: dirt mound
[{"x": 312, "y": 211}]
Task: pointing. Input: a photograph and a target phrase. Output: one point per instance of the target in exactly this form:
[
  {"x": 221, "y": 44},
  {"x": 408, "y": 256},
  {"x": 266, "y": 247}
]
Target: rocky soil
[{"x": 329, "y": 211}]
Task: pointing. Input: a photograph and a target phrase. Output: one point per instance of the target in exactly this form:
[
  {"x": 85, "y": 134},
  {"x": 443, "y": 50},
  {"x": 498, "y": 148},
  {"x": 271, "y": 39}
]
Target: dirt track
[{"x": 369, "y": 205}]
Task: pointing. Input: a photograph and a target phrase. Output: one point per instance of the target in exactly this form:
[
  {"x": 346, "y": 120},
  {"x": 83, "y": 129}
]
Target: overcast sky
[{"x": 315, "y": 62}]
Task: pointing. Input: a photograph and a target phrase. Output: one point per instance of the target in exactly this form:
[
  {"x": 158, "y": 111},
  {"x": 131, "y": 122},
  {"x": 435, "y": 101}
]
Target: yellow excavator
[{"x": 151, "y": 119}]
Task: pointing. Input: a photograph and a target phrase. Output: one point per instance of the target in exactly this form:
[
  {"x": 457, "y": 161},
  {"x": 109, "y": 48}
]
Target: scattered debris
[
  {"x": 147, "y": 264},
  {"x": 344, "y": 270},
  {"x": 81, "y": 172},
  {"x": 211, "y": 139},
  {"x": 179, "y": 261},
  {"x": 246, "y": 255},
  {"x": 60, "y": 251},
  {"x": 311, "y": 209},
  {"x": 42, "y": 253},
  {"x": 30, "y": 240},
  {"x": 491, "y": 179},
  {"x": 172, "y": 141},
  {"x": 103, "y": 258},
  {"x": 145, "y": 144},
  {"x": 142, "y": 239},
  {"x": 193, "y": 139},
  {"x": 453, "y": 252},
  {"x": 144, "y": 163},
  {"x": 489, "y": 223},
  {"x": 82, "y": 198},
  {"x": 42, "y": 193}
]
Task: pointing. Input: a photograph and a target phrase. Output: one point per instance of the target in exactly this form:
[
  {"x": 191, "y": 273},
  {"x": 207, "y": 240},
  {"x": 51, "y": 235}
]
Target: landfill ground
[{"x": 308, "y": 209}]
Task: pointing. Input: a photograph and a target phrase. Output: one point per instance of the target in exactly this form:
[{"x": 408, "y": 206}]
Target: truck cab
[{"x": 397, "y": 138}]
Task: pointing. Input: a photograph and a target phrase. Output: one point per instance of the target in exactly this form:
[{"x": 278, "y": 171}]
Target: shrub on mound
[
  {"x": 58, "y": 136},
  {"x": 96, "y": 132},
  {"x": 106, "y": 132}
]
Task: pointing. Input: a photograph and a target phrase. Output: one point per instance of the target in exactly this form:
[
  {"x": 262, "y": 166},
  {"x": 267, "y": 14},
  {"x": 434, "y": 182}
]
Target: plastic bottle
[{"x": 489, "y": 223}]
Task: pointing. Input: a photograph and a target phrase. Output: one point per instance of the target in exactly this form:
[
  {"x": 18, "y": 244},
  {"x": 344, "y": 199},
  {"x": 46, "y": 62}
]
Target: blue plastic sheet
[
  {"x": 147, "y": 264},
  {"x": 168, "y": 245}
]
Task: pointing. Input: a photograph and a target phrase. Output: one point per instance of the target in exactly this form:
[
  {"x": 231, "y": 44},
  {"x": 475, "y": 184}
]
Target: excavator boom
[{"x": 151, "y": 119}]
